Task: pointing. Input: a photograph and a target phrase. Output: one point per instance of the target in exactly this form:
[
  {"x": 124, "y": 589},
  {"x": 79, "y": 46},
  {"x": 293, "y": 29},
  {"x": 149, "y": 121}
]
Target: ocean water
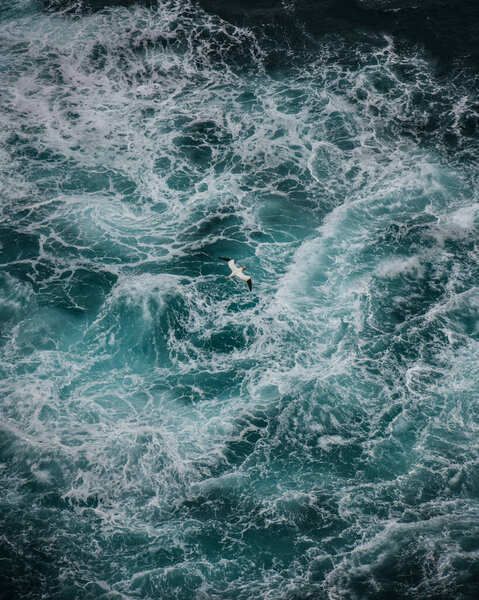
[{"x": 164, "y": 433}]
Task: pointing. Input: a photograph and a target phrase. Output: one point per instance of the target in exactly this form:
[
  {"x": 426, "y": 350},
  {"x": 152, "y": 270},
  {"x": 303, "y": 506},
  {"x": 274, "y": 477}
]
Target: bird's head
[{"x": 243, "y": 268}]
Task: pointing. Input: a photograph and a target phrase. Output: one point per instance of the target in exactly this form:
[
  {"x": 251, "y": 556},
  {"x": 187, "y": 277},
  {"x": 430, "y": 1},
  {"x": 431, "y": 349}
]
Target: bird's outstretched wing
[
  {"x": 246, "y": 278},
  {"x": 230, "y": 261}
]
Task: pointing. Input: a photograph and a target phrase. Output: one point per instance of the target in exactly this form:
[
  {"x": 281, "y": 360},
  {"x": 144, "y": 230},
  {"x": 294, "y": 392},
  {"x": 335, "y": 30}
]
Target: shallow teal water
[{"x": 164, "y": 433}]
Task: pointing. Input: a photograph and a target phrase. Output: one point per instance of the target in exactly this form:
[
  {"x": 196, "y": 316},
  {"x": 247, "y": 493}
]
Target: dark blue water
[{"x": 164, "y": 433}]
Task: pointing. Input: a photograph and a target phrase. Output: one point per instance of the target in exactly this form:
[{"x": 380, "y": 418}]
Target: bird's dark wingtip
[
  {"x": 250, "y": 284},
  {"x": 224, "y": 258}
]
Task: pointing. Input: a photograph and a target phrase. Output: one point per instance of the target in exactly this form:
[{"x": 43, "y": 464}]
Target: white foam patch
[
  {"x": 458, "y": 224},
  {"x": 395, "y": 267},
  {"x": 137, "y": 291}
]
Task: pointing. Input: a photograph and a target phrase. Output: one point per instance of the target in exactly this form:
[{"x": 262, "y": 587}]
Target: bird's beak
[{"x": 244, "y": 268}]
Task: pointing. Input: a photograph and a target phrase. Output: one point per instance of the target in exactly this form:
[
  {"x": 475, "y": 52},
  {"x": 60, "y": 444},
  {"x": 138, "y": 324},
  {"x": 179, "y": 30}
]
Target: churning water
[{"x": 165, "y": 434}]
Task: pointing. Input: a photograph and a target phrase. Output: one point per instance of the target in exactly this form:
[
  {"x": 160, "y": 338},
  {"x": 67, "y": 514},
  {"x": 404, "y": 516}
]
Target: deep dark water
[{"x": 165, "y": 434}]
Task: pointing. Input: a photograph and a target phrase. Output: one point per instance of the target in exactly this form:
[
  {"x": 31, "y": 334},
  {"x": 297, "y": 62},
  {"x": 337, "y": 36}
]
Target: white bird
[{"x": 237, "y": 271}]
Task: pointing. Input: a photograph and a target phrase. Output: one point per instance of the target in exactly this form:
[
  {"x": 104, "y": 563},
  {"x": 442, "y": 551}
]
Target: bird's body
[{"x": 237, "y": 271}]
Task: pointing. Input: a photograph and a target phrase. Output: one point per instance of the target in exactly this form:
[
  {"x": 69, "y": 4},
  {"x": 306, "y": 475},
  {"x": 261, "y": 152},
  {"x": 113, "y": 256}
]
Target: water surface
[{"x": 165, "y": 434}]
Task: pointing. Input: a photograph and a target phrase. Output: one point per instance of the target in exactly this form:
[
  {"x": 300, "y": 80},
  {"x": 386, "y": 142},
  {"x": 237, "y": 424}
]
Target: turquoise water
[{"x": 165, "y": 434}]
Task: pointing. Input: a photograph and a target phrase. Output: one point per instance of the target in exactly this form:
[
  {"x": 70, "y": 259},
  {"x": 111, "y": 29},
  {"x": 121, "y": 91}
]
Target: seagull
[{"x": 237, "y": 271}]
